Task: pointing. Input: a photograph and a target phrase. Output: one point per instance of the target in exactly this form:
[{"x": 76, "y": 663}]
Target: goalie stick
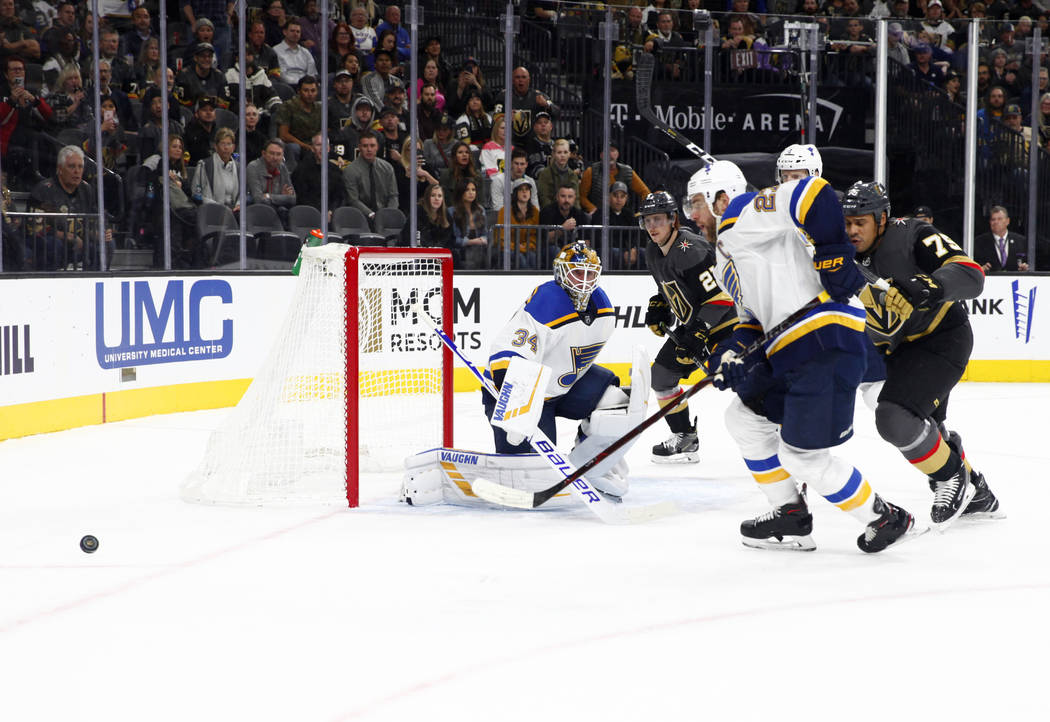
[
  {"x": 605, "y": 510},
  {"x": 643, "y": 84},
  {"x": 529, "y": 500}
]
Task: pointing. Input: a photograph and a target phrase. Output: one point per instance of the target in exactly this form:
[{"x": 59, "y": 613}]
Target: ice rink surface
[{"x": 389, "y": 612}]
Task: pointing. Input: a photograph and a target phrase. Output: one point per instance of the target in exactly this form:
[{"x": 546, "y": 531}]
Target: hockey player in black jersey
[
  {"x": 681, "y": 263},
  {"x": 927, "y": 340}
]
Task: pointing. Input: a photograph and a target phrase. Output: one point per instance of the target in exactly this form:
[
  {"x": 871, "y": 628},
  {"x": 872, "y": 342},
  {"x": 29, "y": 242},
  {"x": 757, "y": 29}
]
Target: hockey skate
[
  {"x": 681, "y": 448},
  {"x": 892, "y": 526},
  {"x": 984, "y": 504},
  {"x": 951, "y": 498},
  {"x": 786, "y": 527}
]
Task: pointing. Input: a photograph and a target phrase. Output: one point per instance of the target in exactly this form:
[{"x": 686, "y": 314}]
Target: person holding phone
[{"x": 21, "y": 114}]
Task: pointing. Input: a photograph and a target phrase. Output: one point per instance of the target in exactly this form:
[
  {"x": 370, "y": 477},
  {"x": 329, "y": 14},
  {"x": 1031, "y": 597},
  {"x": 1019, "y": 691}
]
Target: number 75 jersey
[{"x": 549, "y": 330}]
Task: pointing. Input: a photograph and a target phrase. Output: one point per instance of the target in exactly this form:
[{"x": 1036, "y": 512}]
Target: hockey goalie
[{"x": 542, "y": 362}]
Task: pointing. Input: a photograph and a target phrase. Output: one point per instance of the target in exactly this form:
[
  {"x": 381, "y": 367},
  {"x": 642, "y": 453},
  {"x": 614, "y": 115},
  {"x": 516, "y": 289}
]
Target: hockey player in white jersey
[
  {"x": 563, "y": 326},
  {"x": 799, "y": 161},
  {"x": 778, "y": 249}
]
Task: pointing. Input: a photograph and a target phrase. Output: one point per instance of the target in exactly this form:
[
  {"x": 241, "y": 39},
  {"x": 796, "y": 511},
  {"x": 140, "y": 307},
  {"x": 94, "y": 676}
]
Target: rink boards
[{"x": 78, "y": 351}]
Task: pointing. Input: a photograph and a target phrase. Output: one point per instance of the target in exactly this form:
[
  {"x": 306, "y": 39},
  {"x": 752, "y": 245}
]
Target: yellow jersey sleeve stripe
[
  {"x": 727, "y": 222},
  {"x": 563, "y": 319},
  {"x": 814, "y": 187}
]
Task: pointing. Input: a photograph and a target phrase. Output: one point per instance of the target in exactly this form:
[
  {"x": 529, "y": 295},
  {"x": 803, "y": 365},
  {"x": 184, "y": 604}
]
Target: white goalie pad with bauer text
[{"x": 520, "y": 401}]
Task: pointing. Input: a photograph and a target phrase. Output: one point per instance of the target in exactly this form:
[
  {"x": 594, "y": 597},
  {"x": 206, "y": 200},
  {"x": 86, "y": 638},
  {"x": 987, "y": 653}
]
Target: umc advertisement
[{"x": 89, "y": 350}]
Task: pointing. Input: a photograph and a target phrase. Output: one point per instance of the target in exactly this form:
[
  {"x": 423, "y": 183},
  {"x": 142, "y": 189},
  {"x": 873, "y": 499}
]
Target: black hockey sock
[{"x": 679, "y": 421}]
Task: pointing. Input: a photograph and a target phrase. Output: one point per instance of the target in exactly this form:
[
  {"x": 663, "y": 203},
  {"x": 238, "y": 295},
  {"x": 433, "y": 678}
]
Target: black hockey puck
[{"x": 88, "y": 544}]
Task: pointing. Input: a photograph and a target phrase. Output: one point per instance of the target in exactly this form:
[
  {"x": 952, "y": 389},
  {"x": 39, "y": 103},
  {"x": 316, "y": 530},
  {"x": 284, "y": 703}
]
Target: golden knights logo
[{"x": 882, "y": 324}]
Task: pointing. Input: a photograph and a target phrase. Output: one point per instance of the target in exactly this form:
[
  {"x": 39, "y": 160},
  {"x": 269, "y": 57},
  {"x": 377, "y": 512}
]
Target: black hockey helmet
[
  {"x": 658, "y": 202},
  {"x": 864, "y": 197}
]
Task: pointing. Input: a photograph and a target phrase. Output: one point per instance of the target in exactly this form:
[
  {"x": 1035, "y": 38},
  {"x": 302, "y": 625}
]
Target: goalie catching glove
[
  {"x": 659, "y": 312},
  {"x": 920, "y": 292}
]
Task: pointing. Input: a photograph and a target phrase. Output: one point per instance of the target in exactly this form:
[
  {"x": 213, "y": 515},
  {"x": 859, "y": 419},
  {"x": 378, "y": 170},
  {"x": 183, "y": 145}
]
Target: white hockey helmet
[
  {"x": 800, "y": 157},
  {"x": 722, "y": 175},
  {"x": 577, "y": 269}
]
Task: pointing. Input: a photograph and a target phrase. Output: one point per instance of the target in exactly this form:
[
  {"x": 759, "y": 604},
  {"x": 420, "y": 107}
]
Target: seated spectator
[
  {"x": 299, "y": 118},
  {"x": 274, "y": 22},
  {"x": 1043, "y": 122},
  {"x": 1001, "y": 250},
  {"x": 403, "y": 168},
  {"x": 269, "y": 181},
  {"x": 531, "y": 103},
  {"x": 591, "y": 181},
  {"x": 364, "y": 34},
  {"x": 469, "y": 227},
  {"x": 431, "y": 76},
  {"x": 557, "y": 175},
  {"x": 492, "y": 152},
  {"x": 662, "y": 43},
  {"x": 940, "y": 30},
  {"x": 427, "y": 112},
  {"x": 523, "y": 240},
  {"x": 540, "y": 145},
  {"x": 215, "y": 179},
  {"x": 114, "y": 143},
  {"x": 21, "y": 114},
  {"x": 265, "y": 57},
  {"x": 108, "y": 49},
  {"x": 369, "y": 180},
  {"x": 340, "y": 102},
  {"x": 474, "y": 127},
  {"x": 65, "y": 19},
  {"x": 376, "y": 83},
  {"x": 254, "y": 138},
  {"x": 141, "y": 31},
  {"x": 150, "y": 132},
  {"x": 73, "y": 239},
  {"x": 201, "y": 79},
  {"x": 203, "y": 34},
  {"x": 340, "y": 45},
  {"x": 397, "y": 99},
  {"x": 70, "y": 103},
  {"x": 18, "y": 38},
  {"x": 201, "y": 130},
  {"x": 391, "y": 137},
  {"x": 462, "y": 168},
  {"x": 296, "y": 61},
  {"x": 433, "y": 222},
  {"x": 145, "y": 71},
  {"x": 438, "y": 148},
  {"x": 387, "y": 42},
  {"x": 924, "y": 69},
  {"x": 65, "y": 54},
  {"x": 306, "y": 179},
  {"x": 147, "y": 212},
  {"x": 443, "y": 72},
  {"x": 895, "y": 47},
  {"x": 857, "y": 52},
  {"x": 518, "y": 166},
  {"x": 260, "y": 91},
  {"x": 565, "y": 215},
  {"x": 633, "y": 30},
  {"x": 627, "y": 249},
  {"x": 392, "y": 22},
  {"x": 13, "y": 248},
  {"x": 470, "y": 79},
  {"x": 345, "y": 140},
  {"x": 120, "y": 99},
  {"x": 312, "y": 32}
]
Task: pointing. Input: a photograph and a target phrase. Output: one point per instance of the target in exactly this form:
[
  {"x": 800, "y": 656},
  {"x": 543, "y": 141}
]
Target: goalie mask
[
  {"x": 799, "y": 157},
  {"x": 577, "y": 269}
]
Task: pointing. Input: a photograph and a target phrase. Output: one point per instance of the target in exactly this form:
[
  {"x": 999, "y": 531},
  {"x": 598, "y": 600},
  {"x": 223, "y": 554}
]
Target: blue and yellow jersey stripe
[
  {"x": 732, "y": 212},
  {"x": 830, "y": 325},
  {"x": 767, "y": 471},
  {"x": 853, "y": 494},
  {"x": 803, "y": 196}
]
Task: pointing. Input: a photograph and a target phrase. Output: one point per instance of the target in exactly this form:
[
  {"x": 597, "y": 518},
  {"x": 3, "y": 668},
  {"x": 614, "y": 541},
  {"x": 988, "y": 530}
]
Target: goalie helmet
[
  {"x": 799, "y": 157},
  {"x": 577, "y": 269},
  {"x": 720, "y": 176},
  {"x": 864, "y": 197}
]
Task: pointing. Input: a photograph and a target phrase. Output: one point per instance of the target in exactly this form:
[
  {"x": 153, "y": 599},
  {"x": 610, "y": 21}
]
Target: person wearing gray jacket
[
  {"x": 269, "y": 181},
  {"x": 370, "y": 182}
]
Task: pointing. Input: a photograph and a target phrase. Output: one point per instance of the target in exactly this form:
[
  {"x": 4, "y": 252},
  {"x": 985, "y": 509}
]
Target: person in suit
[
  {"x": 1001, "y": 250},
  {"x": 370, "y": 181}
]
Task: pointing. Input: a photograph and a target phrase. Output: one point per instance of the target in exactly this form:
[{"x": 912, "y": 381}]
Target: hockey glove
[
  {"x": 838, "y": 273},
  {"x": 694, "y": 340},
  {"x": 659, "y": 312},
  {"x": 731, "y": 372},
  {"x": 919, "y": 292}
]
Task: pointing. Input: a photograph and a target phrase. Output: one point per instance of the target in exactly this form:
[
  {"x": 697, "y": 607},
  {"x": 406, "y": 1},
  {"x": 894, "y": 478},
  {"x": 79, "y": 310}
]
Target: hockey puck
[{"x": 88, "y": 544}]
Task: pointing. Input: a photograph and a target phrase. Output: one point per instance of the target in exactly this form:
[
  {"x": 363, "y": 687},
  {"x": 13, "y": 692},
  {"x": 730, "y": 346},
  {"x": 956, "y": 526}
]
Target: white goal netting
[{"x": 288, "y": 439}]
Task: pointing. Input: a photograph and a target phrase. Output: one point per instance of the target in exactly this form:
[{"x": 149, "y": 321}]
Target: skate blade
[
  {"x": 967, "y": 498},
  {"x": 790, "y": 543},
  {"x": 690, "y": 457},
  {"x": 984, "y": 516}
]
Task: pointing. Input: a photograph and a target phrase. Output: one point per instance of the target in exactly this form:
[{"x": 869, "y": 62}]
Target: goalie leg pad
[{"x": 422, "y": 487}]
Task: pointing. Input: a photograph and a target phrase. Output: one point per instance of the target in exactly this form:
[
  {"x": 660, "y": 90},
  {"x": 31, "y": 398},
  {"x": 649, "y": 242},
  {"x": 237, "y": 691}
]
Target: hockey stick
[
  {"x": 645, "y": 65},
  {"x": 527, "y": 500},
  {"x": 578, "y": 486}
]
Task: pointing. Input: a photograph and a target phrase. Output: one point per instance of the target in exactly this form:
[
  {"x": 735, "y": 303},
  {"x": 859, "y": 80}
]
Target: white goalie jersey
[{"x": 549, "y": 330}]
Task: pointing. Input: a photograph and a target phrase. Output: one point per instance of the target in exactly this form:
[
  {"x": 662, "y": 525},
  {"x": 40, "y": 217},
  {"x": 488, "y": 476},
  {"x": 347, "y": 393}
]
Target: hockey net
[{"x": 302, "y": 433}]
